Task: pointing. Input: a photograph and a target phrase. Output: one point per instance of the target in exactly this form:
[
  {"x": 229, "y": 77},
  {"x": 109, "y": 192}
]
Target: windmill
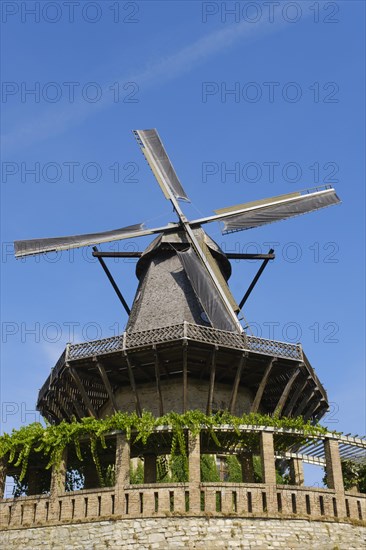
[{"x": 197, "y": 254}]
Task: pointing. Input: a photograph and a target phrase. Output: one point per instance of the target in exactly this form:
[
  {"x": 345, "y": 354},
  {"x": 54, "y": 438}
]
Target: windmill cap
[{"x": 177, "y": 240}]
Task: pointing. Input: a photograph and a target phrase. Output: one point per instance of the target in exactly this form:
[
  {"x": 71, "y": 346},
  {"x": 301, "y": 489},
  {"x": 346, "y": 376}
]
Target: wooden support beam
[
  {"x": 133, "y": 384},
  {"x": 79, "y": 412},
  {"x": 142, "y": 371},
  {"x": 185, "y": 375},
  {"x": 311, "y": 404},
  {"x": 206, "y": 369},
  {"x": 212, "y": 381},
  {"x": 112, "y": 281},
  {"x": 88, "y": 404},
  {"x": 76, "y": 405},
  {"x": 313, "y": 410},
  {"x": 62, "y": 402},
  {"x": 258, "y": 396},
  {"x": 66, "y": 411},
  {"x": 304, "y": 402},
  {"x": 107, "y": 384},
  {"x": 255, "y": 280},
  {"x": 158, "y": 382},
  {"x": 55, "y": 411},
  {"x": 234, "y": 393},
  {"x": 295, "y": 397},
  {"x": 282, "y": 400}
]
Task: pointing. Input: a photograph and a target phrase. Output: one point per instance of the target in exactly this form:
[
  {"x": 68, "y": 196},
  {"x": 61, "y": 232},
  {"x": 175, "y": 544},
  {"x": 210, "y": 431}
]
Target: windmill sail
[
  {"x": 277, "y": 208},
  {"x": 39, "y": 246},
  {"x": 219, "y": 276},
  {"x": 255, "y": 214},
  {"x": 156, "y": 155},
  {"x": 206, "y": 291}
]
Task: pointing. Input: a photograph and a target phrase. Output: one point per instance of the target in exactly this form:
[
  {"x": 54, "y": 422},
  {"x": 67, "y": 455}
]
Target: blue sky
[{"x": 295, "y": 120}]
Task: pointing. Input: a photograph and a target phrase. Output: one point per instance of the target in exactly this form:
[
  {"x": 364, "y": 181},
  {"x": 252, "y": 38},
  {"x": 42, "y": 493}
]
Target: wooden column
[
  {"x": 149, "y": 468},
  {"x": 194, "y": 468},
  {"x": 122, "y": 472},
  {"x": 296, "y": 471}
]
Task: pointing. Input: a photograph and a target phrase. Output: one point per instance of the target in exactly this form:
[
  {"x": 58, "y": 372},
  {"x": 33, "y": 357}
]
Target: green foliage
[
  {"x": 50, "y": 441},
  {"x": 209, "y": 471},
  {"x": 178, "y": 468},
  {"x": 233, "y": 469},
  {"x": 137, "y": 474}
]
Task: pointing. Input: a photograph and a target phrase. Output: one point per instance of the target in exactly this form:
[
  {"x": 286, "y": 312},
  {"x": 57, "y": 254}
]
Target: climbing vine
[{"x": 50, "y": 442}]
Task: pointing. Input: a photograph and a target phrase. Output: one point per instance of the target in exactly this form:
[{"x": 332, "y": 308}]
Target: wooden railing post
[
  {"x": 122, "y": 472},
  {"x": 194, "y": 468}
]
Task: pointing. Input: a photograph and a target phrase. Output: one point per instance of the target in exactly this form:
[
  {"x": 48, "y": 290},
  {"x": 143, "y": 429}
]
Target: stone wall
[{"x": 198, "y": 533}]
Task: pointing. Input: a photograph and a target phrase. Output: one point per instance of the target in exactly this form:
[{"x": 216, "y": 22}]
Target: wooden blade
[
  {"x": 257, "y": 213},
  {"x": 159, "y": 162},
  {"x": 40, "y": 246}
]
